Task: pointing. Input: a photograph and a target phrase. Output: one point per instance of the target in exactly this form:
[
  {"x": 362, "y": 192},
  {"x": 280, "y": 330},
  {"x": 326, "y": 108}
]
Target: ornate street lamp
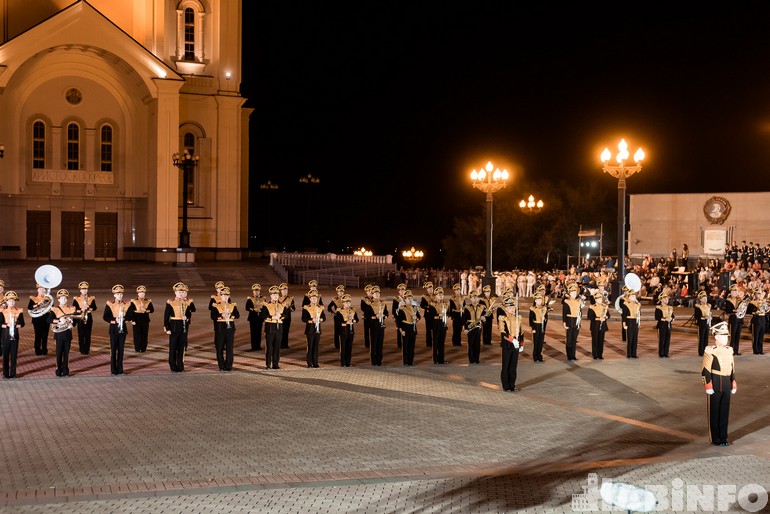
[
  {"x": 413, "y": 256},
  {"x": 489, "y": 182},
  {"x": 621, "y": 171},
  {"x": 310, "y": 179},
  {"x": 531, "y": 205},
  {"x": 363, "y": 252},
  {"x": 187, "y": 164}
]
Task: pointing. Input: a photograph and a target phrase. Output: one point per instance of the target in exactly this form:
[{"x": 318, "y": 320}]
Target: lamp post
[
  {"x": 489, "y": 182},
  {"x": 531, "y": 205},
  {"x": 363, "y": 252},
  {"x": 412, "y": 256},
  {"x": 187, "y": 164},
  {"x": 621, "y": 171}
]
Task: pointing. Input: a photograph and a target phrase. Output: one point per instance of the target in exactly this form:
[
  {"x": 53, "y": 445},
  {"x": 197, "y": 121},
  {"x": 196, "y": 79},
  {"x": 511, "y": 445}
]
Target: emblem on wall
[
  {"x": 716, "y": 209},
  {"x": 74, "y": 96}
]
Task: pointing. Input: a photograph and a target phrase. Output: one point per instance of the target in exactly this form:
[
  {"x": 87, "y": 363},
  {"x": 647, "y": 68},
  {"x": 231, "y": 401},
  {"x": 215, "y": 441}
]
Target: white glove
[
  {"x": 734, "y": 390},
  {"x": 516, "y": 343},
  {"x": 709, "y": 391}
]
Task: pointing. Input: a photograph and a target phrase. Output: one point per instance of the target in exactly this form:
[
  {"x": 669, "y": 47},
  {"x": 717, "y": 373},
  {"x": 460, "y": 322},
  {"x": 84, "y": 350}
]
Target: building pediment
[{"x": 81, "y": 26}]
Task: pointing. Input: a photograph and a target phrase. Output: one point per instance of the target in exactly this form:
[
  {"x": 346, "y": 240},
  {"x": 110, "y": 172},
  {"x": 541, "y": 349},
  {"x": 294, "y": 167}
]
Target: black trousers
[
  {"x": 367, "y": 331},
  {"x": 632, "y": 337},
  {"x": 736, "y": 325},
  {"x": 571, "y": 342},
  {"x": 664, "y": 341},
  {"x": 224, "y": 346},
  {"x": 538, "y": 340},
  {"x": 117, "y": 345},
  {"x": 41, "y": 326},
  {"x": 429, "y": 331},
  {"x": 313, "y": 341},
  {"x": 346, "y": 346},
  {"x": 273, "y": 338},
  {"x": 718, "y": 407},
  {"x": 486, "y": 328},
  {"x": 285, "y": 333},
  {"x": 337, "y": 334},
  {"x": 376, "y": 337},
  {"x": 10, "y": 352},
  {"x": 457, "y": 330},
  {"x": 84, "y": 335},
  {"x": 255, "y": 332},
  {"x": 63, "y": 342},
  {"x": 141, "y": 332},
  {"x": 409, "y": 340},
  {"x": 439, "y": 341},
  {"x": 399, "y": 337},
  {"x": 177, "y": 343},
  {"x": 597, "y": 343},
  {"x": 510, "y": 363},
  {"x": 758, "y": 333},
  {"x": 474, "y": 346},
  {"x": 703, "y": 337}
]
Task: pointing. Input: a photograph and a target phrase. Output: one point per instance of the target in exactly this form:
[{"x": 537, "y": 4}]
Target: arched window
[
  {"x": 189, "y": 45},
  {"x": 105, "y": 145},
  {"x": 73, "y": 146},
  {"x": 189, "y": 34},
  {"x": 38, "y": 145},
  {"x": 189, "y": 147}
]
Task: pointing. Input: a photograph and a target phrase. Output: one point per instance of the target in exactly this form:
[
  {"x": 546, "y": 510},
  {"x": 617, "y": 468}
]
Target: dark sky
[{"x": 391, "y": 104}]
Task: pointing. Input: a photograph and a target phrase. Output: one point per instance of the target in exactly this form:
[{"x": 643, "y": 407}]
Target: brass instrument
[
  {"x": 184, "y": 316},
  {"x": 582, "y": 299},
  {"x": 443, "y": 313},
  {"x": 381, "y": 313},
  {"x": 351, "y": 317},
  {"x": 277, "y": 318},
  {"x": 69, "y": 322},
  {"x": 227, "y": 317},
  {"x": 120, "y": 320},
  {"x": 317, "y": 319},
  {"x": 12, "y": 327},
  {"x": 48, "y": 277}
]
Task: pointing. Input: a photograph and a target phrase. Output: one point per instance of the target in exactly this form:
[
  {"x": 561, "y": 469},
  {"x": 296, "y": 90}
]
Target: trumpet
[
  {"x": 381, "y": 314},
  {"x": 184, "y": 316},
  {"x": 227, "y": 317},
  {"x": 120, "y": 319},
  {"x": 318, "y": 320},
  {"x": 12, "y": 327}
]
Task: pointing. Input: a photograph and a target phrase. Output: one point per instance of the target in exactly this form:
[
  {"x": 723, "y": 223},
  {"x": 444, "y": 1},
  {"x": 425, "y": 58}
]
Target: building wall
[
  {"x": 662, "y": 222},
  {"x": 130, "y": 75}
]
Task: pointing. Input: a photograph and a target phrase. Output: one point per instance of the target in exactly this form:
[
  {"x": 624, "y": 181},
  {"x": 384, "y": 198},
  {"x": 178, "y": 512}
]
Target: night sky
[{"x": 392, "y": 104}]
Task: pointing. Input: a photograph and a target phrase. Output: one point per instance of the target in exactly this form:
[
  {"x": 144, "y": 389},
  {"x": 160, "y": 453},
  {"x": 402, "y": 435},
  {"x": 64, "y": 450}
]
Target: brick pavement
[{"x": 392, "y": 439}]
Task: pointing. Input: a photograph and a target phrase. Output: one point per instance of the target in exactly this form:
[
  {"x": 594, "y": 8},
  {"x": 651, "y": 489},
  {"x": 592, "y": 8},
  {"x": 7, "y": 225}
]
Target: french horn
[{"x": 48, "y": 276}]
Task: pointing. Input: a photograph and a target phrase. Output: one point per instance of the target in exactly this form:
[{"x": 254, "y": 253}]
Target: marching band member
[
  {"x": 334, "y": 305},
  {"x": 440, "y": 309},
  {"x": 633, "y": 311},
  {"x": 139, "y": 311},
  {"x": 216, "y": 298},
  {"x": 758, "y": 309},
  {"x": 312, "y": 316},
  {"x": 703, "y": 319},
  {"x": 40, "y": 323},
  {"x": 735, "y": 307},
  {"x": 224, "y": 313},
  {"x": 457, "y": 305},
  {"x": 425, "y": 306},
  {"x": 407, "y": 316},
  {"x": 598, "y": 314},
  {"x": 623, "y": 291},
  {"x": 538, "y": 317},
  {"x": 472, "y": 320},
  {"x": 489, "y": 317},
  {"x": 512, "y": 336},
  {"x": 176, "y": 321},
  {"x": 115, "y": 314},
  {"x": 571, "y": 316},
  {"x": 377, "y": 312},
  {"x": 11, "y": 319},
  {"x": 84, "y": 306},
  {"x": 366, "y": 300},
  {"x": 397, "y": 302},
  {"x": 664, "y": 315},
  {"x": 288, "y": 308},
  {"x": 254, "y": 307},
  {"x": 61, "y": 316},
  {"x": 312, "y": 286},
  {"x": 718, "y": 376},
  {"x": 346, "y": 317},
  {"x": 273, "y": 316}
]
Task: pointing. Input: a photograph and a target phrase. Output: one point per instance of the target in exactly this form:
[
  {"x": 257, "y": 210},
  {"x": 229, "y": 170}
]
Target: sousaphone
[
  {"x": 48, "y": 276},
  {"x": 632, "y": 282}
]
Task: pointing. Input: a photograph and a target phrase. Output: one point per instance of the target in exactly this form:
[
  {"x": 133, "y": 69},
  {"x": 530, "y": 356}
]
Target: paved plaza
[{"x": 390, "y": 439}]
